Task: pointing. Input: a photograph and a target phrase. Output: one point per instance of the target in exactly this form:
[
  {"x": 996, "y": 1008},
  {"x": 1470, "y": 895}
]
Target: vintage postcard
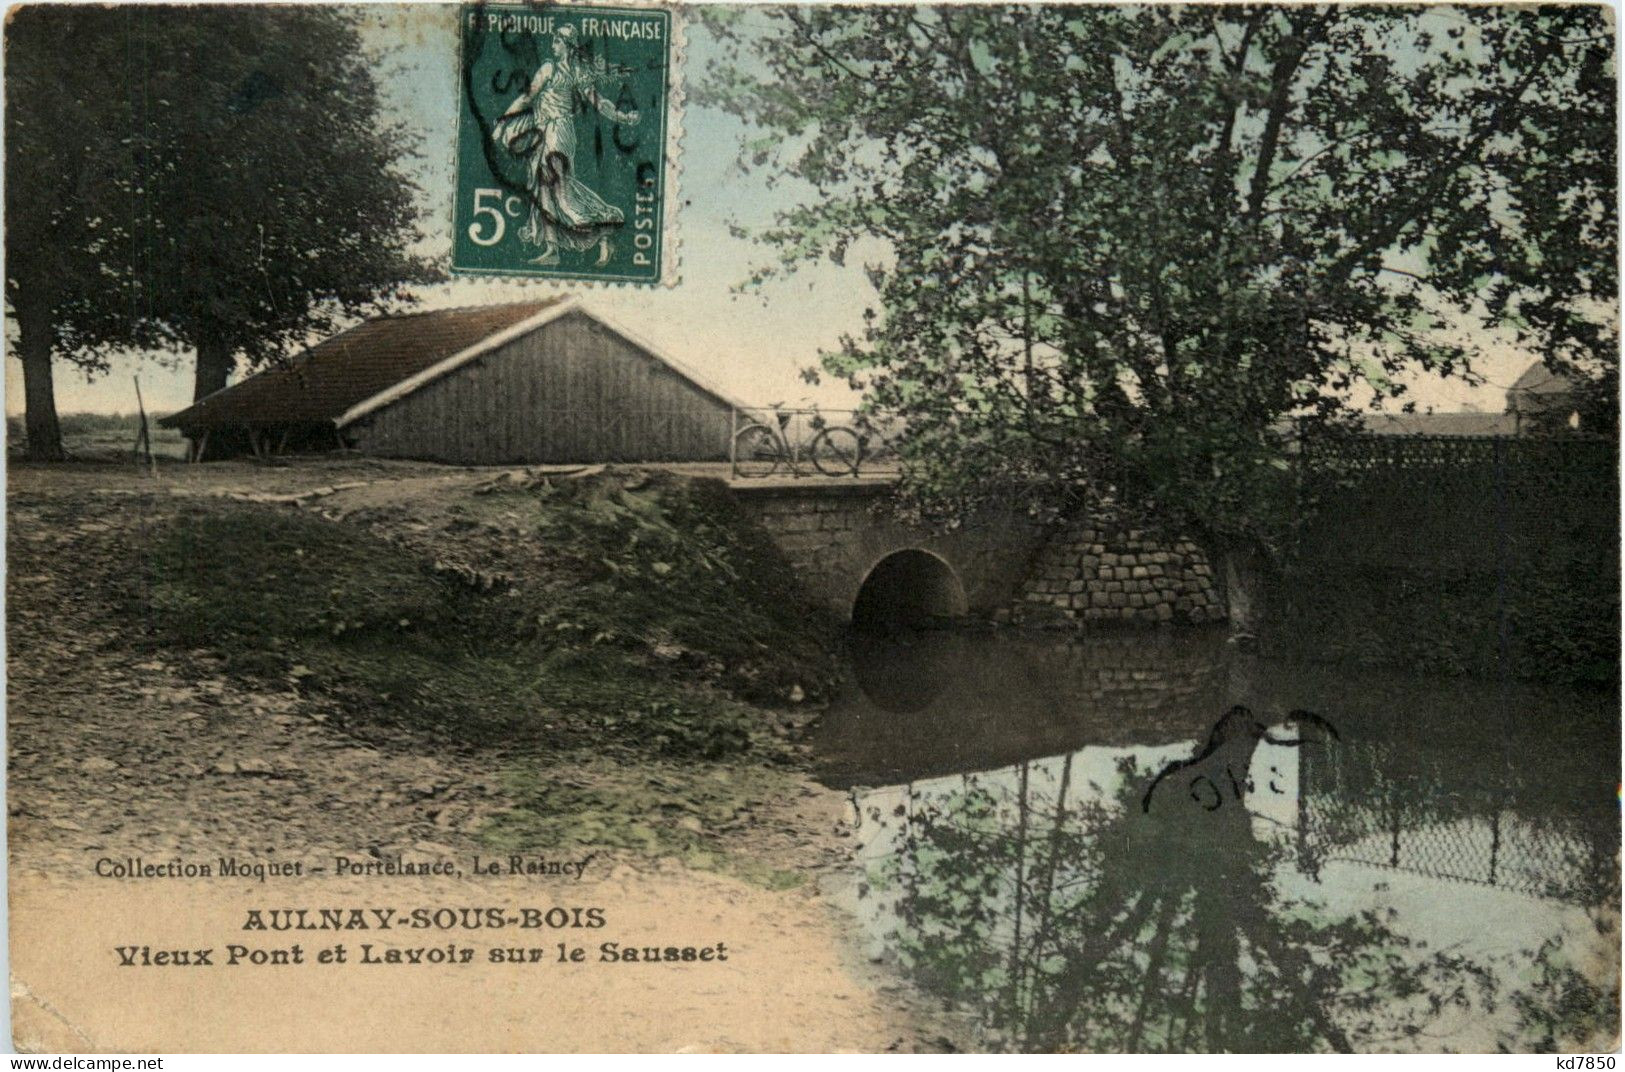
[{"x": 884, "y": 529}]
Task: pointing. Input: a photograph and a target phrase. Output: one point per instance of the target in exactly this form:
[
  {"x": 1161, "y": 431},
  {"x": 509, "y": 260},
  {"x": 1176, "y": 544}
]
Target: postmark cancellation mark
[{"x": 562, "y": 159}]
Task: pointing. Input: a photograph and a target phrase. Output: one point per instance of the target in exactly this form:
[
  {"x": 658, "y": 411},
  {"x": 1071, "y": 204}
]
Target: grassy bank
[
  {"x": 626, "y": 626},
  {"x": 653, "y": 617}
]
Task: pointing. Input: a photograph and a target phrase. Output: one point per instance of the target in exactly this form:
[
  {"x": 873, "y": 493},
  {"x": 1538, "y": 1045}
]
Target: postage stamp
[{"x": 562, "y": 142}]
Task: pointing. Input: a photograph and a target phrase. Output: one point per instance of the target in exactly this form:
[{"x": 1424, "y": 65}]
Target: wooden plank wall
[{"x": 572, "y": 391}]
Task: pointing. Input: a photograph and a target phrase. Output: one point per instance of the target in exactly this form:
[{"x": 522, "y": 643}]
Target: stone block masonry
[
  {"x": 836, "y": 533},
  {"x": 1092, "y": 571},
  {"x": 1010, "y": 566}
]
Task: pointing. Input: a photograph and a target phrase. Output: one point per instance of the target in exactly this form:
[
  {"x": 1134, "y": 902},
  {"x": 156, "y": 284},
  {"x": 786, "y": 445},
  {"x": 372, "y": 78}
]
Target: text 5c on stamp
[{"x": 562, "y": 142}]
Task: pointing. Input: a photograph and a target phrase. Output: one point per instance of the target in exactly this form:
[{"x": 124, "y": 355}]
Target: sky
[{"x": 753, "y": 346}]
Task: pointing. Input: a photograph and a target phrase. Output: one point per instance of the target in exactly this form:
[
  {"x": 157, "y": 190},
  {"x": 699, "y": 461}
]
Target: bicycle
[{"x": 759, "y": 449}]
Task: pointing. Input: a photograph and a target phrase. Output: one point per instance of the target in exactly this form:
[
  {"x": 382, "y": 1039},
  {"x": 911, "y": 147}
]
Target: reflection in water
[
  {"x": 943, "y": 702},
  {"x": 1440, "y": 874},
  {"x": 903, "y": 672},
  {"x": 1221, "y": 765},
  {"x": 1385, "y": 802}
]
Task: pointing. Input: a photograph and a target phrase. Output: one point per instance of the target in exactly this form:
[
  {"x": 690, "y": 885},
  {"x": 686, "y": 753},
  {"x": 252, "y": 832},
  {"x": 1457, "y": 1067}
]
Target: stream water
[{"x": 1085, "y": 844}]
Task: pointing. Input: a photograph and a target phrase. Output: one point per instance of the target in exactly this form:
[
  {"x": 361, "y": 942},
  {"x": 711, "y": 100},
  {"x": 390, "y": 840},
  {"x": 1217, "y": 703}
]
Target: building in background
[
  {"x": 1463, "y": 424},
  {"x": 527, "y": 382},
  {"x": 1539, "y": 402},
  {"x": 1543, "y": 402}
]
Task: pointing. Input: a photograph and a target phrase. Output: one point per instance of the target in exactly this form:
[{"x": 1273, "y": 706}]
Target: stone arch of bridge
[{"x": 908, "y": 587}]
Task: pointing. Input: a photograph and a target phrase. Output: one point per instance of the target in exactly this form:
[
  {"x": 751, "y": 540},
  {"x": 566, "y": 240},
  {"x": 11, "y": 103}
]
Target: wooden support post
[
  {"x": 1495, "y": 843},
  {"x": 733, "y": 448},
  {"x": 202, "y": 446},
  {"x": 143, "y": 439}
]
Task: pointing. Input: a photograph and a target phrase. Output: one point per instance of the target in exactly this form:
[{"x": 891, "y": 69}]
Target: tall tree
[
  {"x": 64, "y": 225},
  {"x": 221, "y": 179},
  {"x": 1122, "y": 244},
  {"x": 271, "y": 200}
]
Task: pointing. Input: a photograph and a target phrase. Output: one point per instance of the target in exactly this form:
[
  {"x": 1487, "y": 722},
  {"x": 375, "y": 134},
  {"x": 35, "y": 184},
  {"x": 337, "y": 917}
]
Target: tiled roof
[{"x": 346, "y": 370}]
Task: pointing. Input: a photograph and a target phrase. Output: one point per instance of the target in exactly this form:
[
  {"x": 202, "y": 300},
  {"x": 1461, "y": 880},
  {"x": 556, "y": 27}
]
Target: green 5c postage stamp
[{"x": 562, "y": 142}]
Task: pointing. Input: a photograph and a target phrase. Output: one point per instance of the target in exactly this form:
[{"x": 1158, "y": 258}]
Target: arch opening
[{"x": 911, "y": 588}]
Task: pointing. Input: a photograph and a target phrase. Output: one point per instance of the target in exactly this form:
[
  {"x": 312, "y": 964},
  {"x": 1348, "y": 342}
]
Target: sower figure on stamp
[{"x": 539, "y": 126}]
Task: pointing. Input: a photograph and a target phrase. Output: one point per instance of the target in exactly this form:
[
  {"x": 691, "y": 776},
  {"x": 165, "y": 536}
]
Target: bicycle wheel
[
  {"x": 757, "y": 451},
  {"x": 837, "y": 452}
]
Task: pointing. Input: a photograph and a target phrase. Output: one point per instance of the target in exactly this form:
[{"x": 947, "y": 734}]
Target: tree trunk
[
  {"x": 1244, "y": 587},
  {"x": 39, "y": 391},
  {"x": 214, "y": 364}
]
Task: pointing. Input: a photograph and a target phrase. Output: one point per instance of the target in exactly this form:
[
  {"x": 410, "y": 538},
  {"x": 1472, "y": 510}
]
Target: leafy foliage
[
  {"x": 1119, "y": 245},
  {"x": 66, "y": 224},
  {"x": 226, "y": 181},
  {"x": 1563, "y": 1010},
  {"x": 1550, "y": 621}
]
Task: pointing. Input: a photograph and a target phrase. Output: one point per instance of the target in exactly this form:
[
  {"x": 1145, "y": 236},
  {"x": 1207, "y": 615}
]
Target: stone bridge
[
  {"x": 870, "y": 566},
  {"x": 855, "y": 555}
]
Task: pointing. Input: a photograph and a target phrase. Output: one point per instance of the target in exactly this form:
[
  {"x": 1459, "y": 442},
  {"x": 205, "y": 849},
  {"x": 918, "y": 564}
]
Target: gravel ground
[{"x": 115, "y": 753}]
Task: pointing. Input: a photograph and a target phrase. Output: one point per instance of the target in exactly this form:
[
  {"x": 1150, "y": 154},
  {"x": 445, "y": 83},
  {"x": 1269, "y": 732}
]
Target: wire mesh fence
[
  {"x": 1456, "y": 556},
  {"x": 1459, "y": 836}
]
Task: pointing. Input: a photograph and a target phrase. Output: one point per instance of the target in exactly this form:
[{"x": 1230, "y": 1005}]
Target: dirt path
[{"x": 116, "y": 754}]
